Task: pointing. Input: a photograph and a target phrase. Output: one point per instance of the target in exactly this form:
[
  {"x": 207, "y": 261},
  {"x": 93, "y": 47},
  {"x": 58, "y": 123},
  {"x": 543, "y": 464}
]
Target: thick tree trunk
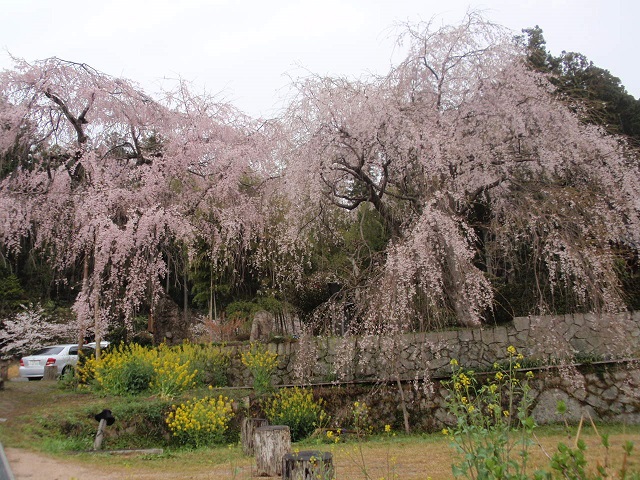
[
  {"x": 97, "y": 329},
  {"x": 85, "y": 287},
  {"x": 308, "y": 465},
  {"x": 211, "y": 299},
  {"x": 270, "y": 445},
  {"x": 247, "y": 432},
  {"x": 185, "y": 297}
]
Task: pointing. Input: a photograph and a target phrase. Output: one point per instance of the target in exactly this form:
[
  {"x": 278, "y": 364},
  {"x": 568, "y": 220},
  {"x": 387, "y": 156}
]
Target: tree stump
[
  {"x": 247, "y": 431},
  {"x": 50, "y": 372},
  {"x": 308, "y": 465},
  {"x": 270, "y": 445}
]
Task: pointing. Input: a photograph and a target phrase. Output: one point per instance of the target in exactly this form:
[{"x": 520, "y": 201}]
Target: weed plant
[
  {"x": 361, "y": 419},
  {"x": 493, "y": 427},
  {"x": 494, "y": 431}
]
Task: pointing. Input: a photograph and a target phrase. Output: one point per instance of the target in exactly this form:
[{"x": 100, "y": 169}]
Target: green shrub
[
  {"x": 295, "y": 408},
  {"x": 140, "y": 423}
]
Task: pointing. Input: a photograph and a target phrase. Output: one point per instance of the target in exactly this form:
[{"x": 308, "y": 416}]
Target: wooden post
[
  {"x": 4, "y": 372},
  {"x": 308, "y": 465},
  {"x": 50, "y": 372},
  {"x": 97, "y": 443},
  {"x": 247, "y": 431},
  {"x": 270, "y": 445}
]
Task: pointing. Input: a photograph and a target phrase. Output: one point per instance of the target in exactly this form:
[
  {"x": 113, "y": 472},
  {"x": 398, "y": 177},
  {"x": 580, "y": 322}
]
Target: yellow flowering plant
[
  {"x": 211, "y": 361},
  {"x": 200, "y": 422},
  {"x": 493, "y": 426},
  {"x": 168, "y": 371},
  {"x": 173, "y": 374},
  {"x": 296, "y": 408},
  {"x": 261, "y": 363},
  {"x": 86, "y": 371}
]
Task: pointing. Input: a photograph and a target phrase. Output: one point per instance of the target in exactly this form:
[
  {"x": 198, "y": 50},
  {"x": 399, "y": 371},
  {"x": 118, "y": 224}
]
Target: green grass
[{"x": 44, "y": 418}]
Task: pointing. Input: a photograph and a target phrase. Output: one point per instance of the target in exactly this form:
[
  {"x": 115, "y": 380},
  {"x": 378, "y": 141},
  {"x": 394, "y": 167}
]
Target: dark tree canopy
[{"x": 593, "y": 92}]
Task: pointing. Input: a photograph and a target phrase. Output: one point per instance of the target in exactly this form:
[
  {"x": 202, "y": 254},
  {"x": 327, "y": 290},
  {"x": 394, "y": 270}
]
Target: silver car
[{"x": 65, "y": 357}]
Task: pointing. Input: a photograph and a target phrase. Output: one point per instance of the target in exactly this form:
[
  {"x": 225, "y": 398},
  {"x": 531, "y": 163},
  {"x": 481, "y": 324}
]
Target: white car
[{"x": 64, "y": 357}]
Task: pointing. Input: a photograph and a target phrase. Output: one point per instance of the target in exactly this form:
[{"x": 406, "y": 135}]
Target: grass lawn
[{"x": 390, "y": 457}]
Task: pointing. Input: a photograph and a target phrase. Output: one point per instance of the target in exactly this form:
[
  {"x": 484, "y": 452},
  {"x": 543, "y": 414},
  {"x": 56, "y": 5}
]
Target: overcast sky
[{"x": 247, "y": 51}]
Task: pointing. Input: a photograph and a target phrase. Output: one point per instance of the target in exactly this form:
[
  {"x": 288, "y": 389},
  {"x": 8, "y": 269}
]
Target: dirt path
[
  {"x": 407, "y": 466},
  {"x": 27, "y": 465}
]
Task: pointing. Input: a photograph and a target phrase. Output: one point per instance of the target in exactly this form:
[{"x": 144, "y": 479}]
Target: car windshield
[{"x": 49, "y": 351}]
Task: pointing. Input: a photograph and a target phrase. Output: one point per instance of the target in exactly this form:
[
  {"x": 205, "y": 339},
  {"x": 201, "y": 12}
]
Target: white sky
[{"x": 247, "y": 51}]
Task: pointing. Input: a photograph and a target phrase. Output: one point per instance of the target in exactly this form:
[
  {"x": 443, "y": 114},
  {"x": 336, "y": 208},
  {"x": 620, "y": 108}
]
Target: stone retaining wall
[
  {"x": 578, "y": 357},
  {"x": 546, "y": 340},
  {"x": 608, "y": 391}
]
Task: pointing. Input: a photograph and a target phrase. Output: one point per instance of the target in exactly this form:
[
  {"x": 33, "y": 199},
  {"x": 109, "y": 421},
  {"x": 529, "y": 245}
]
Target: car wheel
[{"x": 67, "y": 371}]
